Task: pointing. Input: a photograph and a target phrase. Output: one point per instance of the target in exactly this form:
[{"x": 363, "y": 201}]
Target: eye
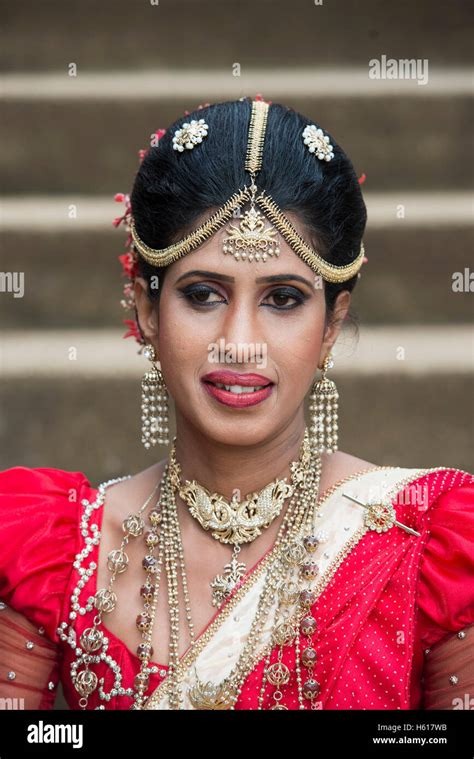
[
  {"x": 204, "y": 296},
  {"x": 198, "y": 295},
  {"x": 283, "y": 294}
]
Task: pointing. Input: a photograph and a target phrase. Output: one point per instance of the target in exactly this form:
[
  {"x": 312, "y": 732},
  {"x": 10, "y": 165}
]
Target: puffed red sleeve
[
  {"x": 445, "y": 595},
  {"x": 39, "y": 522}
]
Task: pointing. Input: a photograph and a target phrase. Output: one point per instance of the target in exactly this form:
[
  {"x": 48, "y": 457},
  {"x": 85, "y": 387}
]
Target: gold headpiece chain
[{"x": 257, "y": 128}]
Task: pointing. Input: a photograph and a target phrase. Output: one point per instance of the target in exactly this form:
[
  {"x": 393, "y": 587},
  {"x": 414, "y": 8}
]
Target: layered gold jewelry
[
  {"x": 236, "y": 522},
  {"x": 288, "y": 555},
  {"x": 288, "y": 552},
  {"x": 252, "y": 240},
  {"x": 164, "y": 547},
  {"x": 290, "y": 623}
]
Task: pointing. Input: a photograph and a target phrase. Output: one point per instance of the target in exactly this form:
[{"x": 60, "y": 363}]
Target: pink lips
[
  {"x": 242, "y": 400},
  {"x": 225, "y": 377}
]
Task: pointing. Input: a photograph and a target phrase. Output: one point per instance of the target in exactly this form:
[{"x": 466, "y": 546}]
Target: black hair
[{"x": 172, "y": 190}]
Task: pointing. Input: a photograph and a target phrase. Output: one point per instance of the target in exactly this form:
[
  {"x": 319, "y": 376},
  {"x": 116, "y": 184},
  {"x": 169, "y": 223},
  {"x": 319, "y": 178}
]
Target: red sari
[{"x": 384, "y": 599}]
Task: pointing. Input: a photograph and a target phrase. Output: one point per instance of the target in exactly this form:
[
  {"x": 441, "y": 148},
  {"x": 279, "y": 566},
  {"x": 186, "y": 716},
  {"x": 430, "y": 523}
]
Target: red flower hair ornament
[{"x": 129, "y": 260}]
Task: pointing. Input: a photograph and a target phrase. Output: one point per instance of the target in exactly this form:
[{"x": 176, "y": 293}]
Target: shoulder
[
  {"x": 339, "y": 465},
  {"x": 39, "y": 517},
  {"x": 442, "y": 486},
  {"x": 128, "y": 495},
  {"x": 439, "y": 503},
  {"x": 38, "y": 497},
  {"x": 439, "y": 491},
  {"x": 30, "y": 494},
  {"x": 445, "y": 597},
  {"x": 449, "y": 504},
  {"x": 23, "y": 480}
]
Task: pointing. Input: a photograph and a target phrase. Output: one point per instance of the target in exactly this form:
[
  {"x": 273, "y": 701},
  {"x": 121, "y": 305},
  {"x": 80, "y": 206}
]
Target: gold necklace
[
  {"x": 288, "y": 552},
  {"x": 236, "y": 521},
  {"x": 288, "y": 556},
  {"x": 164, "y": 536}
]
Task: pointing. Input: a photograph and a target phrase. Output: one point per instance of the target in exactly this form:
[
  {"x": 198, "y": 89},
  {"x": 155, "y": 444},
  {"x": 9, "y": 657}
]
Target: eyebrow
[{"x": 259, "y": 280}]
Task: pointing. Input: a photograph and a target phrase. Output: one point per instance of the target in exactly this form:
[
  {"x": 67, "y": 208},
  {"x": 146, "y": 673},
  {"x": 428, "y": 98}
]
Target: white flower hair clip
[
  {"x": 317, "y": 142},
  {"x": 189, "y": 135}
]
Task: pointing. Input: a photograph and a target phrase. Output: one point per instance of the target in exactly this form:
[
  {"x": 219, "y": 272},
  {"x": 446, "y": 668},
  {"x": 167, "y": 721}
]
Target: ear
[
  {"x": 341, "y": 307},
  {"x": 147, "y": 312}
]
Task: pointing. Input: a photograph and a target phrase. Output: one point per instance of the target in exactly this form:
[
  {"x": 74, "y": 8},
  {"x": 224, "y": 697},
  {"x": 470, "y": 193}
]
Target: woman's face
[{"x": 219, "y": 314}]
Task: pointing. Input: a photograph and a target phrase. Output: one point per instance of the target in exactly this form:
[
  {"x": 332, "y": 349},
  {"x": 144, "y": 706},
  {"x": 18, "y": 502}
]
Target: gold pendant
[
  {"x": 251, "y": 240},
  {"x": 223, "y": 585},
  {"x": 238, "y": 521},
  {"x": 212, "y": 697}
]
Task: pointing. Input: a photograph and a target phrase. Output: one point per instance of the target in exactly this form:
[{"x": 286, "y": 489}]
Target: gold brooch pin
[{"x": 380, "y": 516}]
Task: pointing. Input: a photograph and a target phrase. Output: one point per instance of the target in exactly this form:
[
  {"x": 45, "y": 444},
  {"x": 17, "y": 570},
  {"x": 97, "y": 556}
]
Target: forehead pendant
[{"x": 253, "y": 239}]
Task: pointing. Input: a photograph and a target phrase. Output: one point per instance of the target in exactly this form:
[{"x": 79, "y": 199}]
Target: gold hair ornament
[{"x": 251, "y": 240}]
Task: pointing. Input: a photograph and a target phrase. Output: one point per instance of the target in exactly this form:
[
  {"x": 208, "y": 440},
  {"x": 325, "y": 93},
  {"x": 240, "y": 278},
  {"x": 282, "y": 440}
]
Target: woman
[{"x": 261, "y": 566}]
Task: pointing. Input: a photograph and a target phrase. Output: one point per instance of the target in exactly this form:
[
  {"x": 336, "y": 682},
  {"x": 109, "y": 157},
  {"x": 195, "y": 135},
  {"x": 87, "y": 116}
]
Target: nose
[{"x": 240, "y": 323}]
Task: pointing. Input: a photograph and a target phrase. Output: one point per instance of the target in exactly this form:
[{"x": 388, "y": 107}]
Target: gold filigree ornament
[
  {"x": 212, "y": 697},
  {"x": 380, "y": 516},
  {"x": 278, "y": 674},
  {"x": 252, "y": 240},
  {"x": 223, "y": 585},
  {"x": 85, "y": 682},
  {"x": 288, "y": 591},
  {"x": 237, "y": 522}
]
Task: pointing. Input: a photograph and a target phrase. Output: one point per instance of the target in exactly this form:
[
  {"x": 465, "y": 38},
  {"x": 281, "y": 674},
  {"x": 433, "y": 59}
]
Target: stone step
[
  {"x": 90, "y": 144},
  {"x": 93, "y": 425},
  {"x": 420, "y": 209},
  {"x": 113, "y": 33},
  {"x": 346, "y": 82},
  {"x": 95, "y": 353},
  {"x": 73, "y": 279}
]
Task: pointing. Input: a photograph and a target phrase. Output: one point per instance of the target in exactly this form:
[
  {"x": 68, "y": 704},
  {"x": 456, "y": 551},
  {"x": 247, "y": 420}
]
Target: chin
[{"x": 237, "y": 432}]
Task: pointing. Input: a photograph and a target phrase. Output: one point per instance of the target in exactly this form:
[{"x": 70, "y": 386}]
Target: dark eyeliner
[
  {"x": 195, "y": 289},
  {"x": 290, "y": 292},
  {"x": 188, "y": 292}
]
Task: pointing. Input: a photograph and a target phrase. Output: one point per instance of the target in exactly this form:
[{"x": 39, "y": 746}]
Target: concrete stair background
[
  {"x": 68, "y": 140},
  {"x": 117, "y": 33}
]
